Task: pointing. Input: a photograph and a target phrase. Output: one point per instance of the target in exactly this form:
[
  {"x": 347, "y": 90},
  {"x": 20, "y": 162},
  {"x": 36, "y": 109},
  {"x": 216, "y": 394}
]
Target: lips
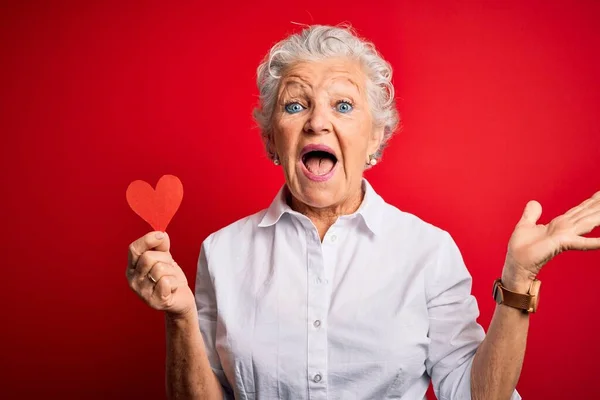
[{"x": 318, "y": 162}]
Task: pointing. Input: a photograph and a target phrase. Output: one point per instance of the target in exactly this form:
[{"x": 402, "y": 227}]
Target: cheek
[
  {"x": 286, "y": 135},
  {"x": 282, "y": 144},
  {"x": 354, "y": 141}
]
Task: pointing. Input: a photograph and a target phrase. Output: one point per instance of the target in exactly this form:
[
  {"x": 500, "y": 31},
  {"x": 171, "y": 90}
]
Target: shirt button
[
  {"x": 317, "y": 323},
  {"x": 317, "y": 378},
  {"x": 333, "y": 238}
]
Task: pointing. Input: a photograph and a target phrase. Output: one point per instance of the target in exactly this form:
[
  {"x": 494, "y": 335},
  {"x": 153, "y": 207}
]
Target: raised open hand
[{"x": 531, "y": 245}]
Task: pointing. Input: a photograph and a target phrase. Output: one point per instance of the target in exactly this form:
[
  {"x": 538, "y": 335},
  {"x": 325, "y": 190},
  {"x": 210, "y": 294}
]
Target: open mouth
[{"x": 319, "y": 162}]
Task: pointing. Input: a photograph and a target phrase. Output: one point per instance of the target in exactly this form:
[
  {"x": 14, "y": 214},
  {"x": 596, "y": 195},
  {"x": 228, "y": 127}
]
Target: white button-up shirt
[{"x": 378, "y": 308}]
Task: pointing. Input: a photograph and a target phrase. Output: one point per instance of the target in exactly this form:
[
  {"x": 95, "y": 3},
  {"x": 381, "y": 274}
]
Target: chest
[{"x": 345, "y": 309}]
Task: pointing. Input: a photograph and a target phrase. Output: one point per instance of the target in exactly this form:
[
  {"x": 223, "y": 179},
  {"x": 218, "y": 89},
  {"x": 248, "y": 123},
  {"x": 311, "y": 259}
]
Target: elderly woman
[{"x": 330, "y": 292}]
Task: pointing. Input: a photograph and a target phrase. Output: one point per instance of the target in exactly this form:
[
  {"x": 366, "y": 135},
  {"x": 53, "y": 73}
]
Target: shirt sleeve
[
  {"x": 454, "y": 332},
  {"x": 206, "y": 304}
]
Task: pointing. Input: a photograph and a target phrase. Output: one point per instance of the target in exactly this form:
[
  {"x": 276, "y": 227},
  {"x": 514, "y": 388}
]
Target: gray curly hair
[{"x": 318, "y": 42}]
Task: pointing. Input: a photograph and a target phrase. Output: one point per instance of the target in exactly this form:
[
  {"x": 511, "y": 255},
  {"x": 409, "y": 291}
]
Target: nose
[{"x": 319, "y": 121}]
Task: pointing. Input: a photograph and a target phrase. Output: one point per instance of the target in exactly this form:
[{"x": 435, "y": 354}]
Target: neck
[{"x": 324, "y": 218}]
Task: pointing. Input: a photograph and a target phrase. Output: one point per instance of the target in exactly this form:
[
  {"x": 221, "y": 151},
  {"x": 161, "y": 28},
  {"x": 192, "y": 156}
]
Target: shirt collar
[
  {"x": 277, "y": 208},
  {"x": 370, "y": 209}
]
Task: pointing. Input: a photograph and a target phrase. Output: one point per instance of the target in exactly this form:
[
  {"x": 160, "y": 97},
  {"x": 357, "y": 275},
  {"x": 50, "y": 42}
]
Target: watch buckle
[{"x": 497, "y": 291}]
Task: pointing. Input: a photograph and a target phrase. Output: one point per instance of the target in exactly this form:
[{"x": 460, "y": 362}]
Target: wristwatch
[{"x": 525, "y": 302}]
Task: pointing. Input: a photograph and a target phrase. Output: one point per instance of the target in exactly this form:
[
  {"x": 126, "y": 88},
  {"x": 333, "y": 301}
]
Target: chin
[
  {"x": 320, "y": 194},
  {"x": 317, "y": 199}
]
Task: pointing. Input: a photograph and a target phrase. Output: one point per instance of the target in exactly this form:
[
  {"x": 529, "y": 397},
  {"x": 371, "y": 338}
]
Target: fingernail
[{"x": 160, "y": 235}]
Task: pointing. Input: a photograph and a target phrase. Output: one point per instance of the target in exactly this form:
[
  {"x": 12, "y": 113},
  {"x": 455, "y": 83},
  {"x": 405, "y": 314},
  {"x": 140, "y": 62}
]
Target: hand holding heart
[
  {"x": 151, "y": 271},
  {"x": 531, "y": 246},
  {"x": 155, "y": 276}
]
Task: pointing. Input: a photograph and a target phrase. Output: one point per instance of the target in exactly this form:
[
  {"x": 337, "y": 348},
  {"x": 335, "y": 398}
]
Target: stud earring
[
  {"x": 372, "y": 160},
  {"x": 276, "y": 161}
]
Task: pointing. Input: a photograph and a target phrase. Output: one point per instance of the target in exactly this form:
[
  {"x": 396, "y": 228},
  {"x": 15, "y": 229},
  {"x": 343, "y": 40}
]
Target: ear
[
  {"x": 269, "y": 141},
  {"x": 375, "y": 140}
]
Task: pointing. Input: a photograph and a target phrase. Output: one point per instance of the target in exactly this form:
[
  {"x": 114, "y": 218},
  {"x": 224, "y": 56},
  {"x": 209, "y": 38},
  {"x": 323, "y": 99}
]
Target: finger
[
  {"x": 159, "y": 270},
  {"x": 590, "y": 208},
  {"x": 146, "y": 284},
  {"x": 577, "y": 210},
  {"x": 164, "y": 288},
  {"x": 138, "y": 277},
  {"x": 583, "y": 243},
  {"x": 155, "y": 240},
  {"x": 147, "y": 261},
  {"x": 138, "y": 281},
  {"x": 587, "y": 223},
  {"x": 531, "y": 213}
]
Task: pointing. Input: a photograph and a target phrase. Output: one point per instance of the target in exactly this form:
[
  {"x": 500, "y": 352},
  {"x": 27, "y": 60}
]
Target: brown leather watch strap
[
  {"x": 526, "y": 302},
  {"x": 516, "y": 300}
]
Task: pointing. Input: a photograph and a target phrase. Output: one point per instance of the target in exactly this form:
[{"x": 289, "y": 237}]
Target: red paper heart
[{"x": 156, "y": 207}]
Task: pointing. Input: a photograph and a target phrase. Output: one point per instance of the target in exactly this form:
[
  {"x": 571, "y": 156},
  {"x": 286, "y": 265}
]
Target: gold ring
[{"x": 151, "y": 279}]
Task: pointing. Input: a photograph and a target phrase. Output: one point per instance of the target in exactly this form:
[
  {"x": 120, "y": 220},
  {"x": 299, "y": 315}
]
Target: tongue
[{"x": 318, "y": 165}]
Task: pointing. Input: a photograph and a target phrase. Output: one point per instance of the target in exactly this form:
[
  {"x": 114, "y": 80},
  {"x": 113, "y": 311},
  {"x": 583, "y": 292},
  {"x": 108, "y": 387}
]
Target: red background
[{"x": 500, "y": 103}]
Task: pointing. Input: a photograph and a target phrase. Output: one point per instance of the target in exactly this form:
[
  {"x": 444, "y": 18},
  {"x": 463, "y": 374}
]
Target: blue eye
[
  {"x": 344, "y": 107},
  {"x": 293, "y": 108}
]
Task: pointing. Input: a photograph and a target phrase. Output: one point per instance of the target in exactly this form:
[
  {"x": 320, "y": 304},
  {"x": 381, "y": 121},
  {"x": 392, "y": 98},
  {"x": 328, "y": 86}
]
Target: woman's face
[{"x": 323, "y": 131}]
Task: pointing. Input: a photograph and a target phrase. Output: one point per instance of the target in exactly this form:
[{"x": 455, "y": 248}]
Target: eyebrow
[
  {"x": 346, "y": 78},
  {"x": 284, "y": 91},
  {"x": 296, "y": 80}
]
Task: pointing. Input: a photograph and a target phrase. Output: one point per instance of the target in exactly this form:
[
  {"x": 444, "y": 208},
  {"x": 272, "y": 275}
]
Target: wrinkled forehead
[{"x": 329, "y": 74}]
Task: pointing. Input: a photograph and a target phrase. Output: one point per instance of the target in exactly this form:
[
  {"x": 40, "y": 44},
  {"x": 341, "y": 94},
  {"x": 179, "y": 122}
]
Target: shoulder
[
  {"x": 239, "y": 231},
  {"x": 399, "y": 223}
]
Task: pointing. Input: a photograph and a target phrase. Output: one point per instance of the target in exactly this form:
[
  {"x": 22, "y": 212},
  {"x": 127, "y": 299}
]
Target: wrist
[
  {"x": 516, "y": 279},
  {"x": 184, "y": 317}
]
